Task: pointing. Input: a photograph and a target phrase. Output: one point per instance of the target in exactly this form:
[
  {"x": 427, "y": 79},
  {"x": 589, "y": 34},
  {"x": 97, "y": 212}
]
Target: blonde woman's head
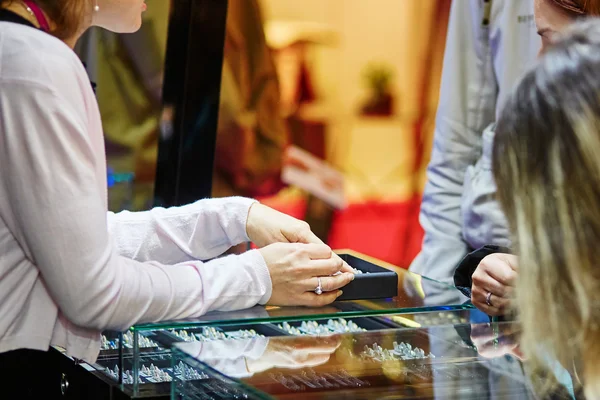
[{"x": 546, "y": 164}]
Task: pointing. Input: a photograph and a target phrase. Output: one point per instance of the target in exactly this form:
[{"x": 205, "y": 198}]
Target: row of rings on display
[
  {"x": 314, "y": 328},
  {"x": 143, "y": 342},
  {"x": 401, "y": 351},
  {"x": 441, "y": 318},
  {"x": 209, "y": 334},
  {"x": 155, "y": 374}
]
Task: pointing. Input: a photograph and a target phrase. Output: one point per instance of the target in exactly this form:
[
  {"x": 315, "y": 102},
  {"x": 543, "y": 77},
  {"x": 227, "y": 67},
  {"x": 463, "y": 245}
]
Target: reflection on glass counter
[
  {"x": 436, "y": 354},
  {"x": 437, "y": 362},
  {"x": 140, "y": 359}
]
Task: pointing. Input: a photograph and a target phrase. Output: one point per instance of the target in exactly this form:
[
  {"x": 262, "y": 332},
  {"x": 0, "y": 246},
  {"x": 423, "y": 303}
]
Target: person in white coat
[{"x": 489, "y": 46}]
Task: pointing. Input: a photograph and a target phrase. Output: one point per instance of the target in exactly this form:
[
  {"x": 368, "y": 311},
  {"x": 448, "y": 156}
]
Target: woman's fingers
[
  {"x": 479, "y": 299},
  {"x": 486, "y": 282},
  {"x": 314, "y": 251},
  {"x": 345, "y": 266},
  {"x": 311, "y": 299},
  {"x": 492, "y": 283},
  {"x": 501, "y": 267},
  {"x": 327, "y": 267},
  {"x": 297, "y": 270},
  {"x": 328, "y": 283}
]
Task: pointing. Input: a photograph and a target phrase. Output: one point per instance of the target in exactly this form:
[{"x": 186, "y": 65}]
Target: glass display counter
[
  {"x": 140, "y": 361},
  {"x": 142, "y": 364},
  {"x": 441, "y": 354}
]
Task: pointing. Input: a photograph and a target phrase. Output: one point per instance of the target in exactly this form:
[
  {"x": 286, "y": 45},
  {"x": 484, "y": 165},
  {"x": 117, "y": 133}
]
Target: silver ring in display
[{"x": 319, "y": 289}]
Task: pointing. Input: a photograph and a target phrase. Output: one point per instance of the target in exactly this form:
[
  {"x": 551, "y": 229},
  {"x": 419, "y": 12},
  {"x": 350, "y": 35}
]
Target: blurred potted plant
[{"x": 378, "y": 79}]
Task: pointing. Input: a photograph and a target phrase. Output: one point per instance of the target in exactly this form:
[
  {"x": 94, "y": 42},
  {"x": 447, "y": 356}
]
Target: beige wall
[{"x": 392, "y": 31}]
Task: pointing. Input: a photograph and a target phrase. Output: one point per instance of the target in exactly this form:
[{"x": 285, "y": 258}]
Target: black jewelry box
[{"x": 375, "y": 282}]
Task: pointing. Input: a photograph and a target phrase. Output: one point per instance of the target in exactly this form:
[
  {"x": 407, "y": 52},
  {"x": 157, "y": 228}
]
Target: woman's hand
[
  {"x": 296, "y": 269},
  {"x": 493, "y": 282},
  {"x": 295, "y": 353},
  {"x": 266, "y": 226}
]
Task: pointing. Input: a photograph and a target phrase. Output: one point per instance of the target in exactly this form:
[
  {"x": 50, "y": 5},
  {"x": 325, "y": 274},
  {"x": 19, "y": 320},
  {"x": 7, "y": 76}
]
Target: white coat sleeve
[
  {"x": 52, "y": 183},
  {"x": 467, "y": 105},
  {"x": 198, "y": 231}
]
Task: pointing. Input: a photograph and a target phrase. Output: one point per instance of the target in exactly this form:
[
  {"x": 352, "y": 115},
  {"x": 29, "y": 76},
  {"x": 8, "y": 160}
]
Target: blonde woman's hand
[
  {"x": 493, "y": 282},
  {"x": 296, "y": 269},
  {"x": 266, "y": 226}
]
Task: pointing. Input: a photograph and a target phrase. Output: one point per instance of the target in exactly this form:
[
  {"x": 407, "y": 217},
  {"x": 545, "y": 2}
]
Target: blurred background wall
[
  {"x": 383, "y": 154},
  {"x": 352, "y": 83}
]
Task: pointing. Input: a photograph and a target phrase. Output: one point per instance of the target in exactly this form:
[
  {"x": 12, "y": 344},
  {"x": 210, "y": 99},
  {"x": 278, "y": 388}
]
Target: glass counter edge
[{"x": 259, "y": 320}]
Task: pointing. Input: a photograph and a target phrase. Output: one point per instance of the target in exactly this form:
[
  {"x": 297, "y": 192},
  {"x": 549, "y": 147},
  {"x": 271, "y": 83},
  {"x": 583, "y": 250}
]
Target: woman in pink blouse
[{"x": 69, "y": 269}]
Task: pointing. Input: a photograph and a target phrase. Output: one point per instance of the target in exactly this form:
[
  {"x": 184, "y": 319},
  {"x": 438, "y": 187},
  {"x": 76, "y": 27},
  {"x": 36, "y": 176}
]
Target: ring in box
[{"x": 375, "y": 282}]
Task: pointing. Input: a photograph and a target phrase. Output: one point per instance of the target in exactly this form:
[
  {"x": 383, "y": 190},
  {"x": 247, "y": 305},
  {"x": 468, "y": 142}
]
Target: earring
[{"x": 96, "y": 7}]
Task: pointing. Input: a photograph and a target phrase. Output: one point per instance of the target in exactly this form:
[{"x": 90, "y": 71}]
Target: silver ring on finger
[
  {"x": 488, "y": 299},
  {"x": 319, "y": 289}
]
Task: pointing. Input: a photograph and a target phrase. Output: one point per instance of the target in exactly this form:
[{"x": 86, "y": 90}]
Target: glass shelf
[{"x": 420, "y": 302}]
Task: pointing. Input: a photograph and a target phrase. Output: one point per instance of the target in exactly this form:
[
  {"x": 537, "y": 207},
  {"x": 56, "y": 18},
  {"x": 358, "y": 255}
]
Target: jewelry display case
[
  {"x": 139, "y": 362},
  {"x": 448, "y": 351},
  {"x": 439, "y": 352},
  {"x": 419, "y": 302}
]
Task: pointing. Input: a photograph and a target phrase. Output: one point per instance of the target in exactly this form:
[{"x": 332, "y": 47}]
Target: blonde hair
[{"x": 546, "y": 164}]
